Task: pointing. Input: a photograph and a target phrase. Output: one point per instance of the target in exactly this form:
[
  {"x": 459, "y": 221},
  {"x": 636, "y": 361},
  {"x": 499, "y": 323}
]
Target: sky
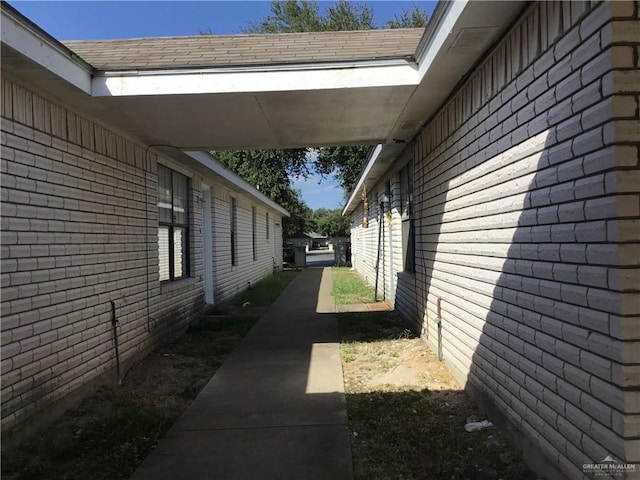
[{"x": 98, "y": 20}]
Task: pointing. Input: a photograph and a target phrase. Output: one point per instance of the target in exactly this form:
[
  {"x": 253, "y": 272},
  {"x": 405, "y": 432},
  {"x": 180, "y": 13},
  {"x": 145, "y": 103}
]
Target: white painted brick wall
[
  {"x": 366, "y": 241},
  {"x": 527, "y": 210},
  {"x": 79, "y": 230},
  {"x": 230, "y": 280}
]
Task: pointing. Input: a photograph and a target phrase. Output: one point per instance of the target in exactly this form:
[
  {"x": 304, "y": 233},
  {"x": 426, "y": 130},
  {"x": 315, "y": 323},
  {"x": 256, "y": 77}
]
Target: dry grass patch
[
  {"x": 407, "y": 413},
  {"x": 111, "y": 432}
]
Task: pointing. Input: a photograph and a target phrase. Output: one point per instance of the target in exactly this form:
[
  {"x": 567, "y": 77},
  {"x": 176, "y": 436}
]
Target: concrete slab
[
  {"x": 299, "y": 453},
  {"x": 276, "y": 408}
]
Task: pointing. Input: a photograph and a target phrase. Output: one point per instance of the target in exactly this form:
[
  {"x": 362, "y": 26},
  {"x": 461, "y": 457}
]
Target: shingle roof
[{"x": 237, "y": 50}]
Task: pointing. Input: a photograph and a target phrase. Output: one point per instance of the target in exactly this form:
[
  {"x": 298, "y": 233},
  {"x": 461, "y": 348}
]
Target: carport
[{"x": 264, "y": 91}]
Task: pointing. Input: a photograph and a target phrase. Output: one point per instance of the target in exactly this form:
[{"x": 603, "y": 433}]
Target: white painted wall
[
  {"x": 527, "y": 206},
  {"x": 79, "y": 230}
]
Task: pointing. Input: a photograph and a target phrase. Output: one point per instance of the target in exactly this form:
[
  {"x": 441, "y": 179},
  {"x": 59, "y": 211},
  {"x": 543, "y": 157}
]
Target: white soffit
[
  {"x": 461, "y": 33},
  {"x": 28, "y": 41},
  {"x": 352, "y": 202},
  {"x": 256, "y": 79},
  {"x": 430, "y": 50}
]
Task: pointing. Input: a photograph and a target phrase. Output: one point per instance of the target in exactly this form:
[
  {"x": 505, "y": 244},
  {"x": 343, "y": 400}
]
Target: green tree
[
  {"x": 333, "y": 224},
  {"x": 269, "y": 171},
  {"x": 345, "y": 15},
  {"x": 345, "y": 162},
  {"x": 289, "y": 16},
  {"x": 417, "y": 18}
]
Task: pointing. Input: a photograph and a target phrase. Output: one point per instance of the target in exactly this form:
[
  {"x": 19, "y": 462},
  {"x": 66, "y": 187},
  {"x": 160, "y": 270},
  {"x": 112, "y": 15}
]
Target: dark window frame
[
  {"x": 254, "y": 233},
  {"x": 174, "y": 224},
  {"x": 267, "y": 224},
  {"x": 406, "y": 214},
  {"x": 233, "y": 227}
]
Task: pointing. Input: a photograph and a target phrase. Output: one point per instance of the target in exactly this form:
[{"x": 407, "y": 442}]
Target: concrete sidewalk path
[{"x": 276, "y": 408}]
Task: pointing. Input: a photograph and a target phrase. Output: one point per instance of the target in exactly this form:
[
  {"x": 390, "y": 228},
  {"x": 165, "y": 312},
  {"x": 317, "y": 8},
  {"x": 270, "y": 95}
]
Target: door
[{"x": 208, "y": 245}]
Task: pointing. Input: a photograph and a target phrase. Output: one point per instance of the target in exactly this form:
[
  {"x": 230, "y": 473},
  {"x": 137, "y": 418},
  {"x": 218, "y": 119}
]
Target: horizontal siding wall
[
  {"x": 79, "y": 231},
  {"x": 365, "y": 242},
  {"x": 526, "y": 195},
  {"x": 229, "y": 280}
]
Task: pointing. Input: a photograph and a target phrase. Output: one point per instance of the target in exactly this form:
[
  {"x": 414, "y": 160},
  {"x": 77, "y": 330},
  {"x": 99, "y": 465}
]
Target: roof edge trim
[
  {"x": 172, "y": 83},
  {"x": 216, "y": 167},
  {"x": 258, "y": 67},
  {"x": 374, "y": 154},
  {"x": 436, "y": 33},
  {"x": 25, "y": 37}
]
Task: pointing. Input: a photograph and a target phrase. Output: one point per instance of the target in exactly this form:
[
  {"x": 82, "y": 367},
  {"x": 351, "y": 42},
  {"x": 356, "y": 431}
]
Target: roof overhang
[
  {"x": 258, "y": 107},
  {"x": 385, "y": 101},
  {"x": 29, "y": 50},
  {"x": 287, "y": 105},
  {"x": 458, "y": 36}
]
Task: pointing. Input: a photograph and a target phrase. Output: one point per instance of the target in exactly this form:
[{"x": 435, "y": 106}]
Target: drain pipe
[
  {"x": 439, "y": 324},
  {"x": 114, "y": 322},
  {"x": 380, "y": 226}
]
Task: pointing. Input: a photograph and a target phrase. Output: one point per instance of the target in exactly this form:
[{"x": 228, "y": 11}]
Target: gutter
[
  {"x": 437, "y": 17},
  {"x": 258, "y": 67},
  {"x": 27, "y": 39},
  {"x": 371, "y": 160}
]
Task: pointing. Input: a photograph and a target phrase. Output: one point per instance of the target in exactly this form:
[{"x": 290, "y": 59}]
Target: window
[
  {"x": 406, "y": 190},
  {"x": 173, "y": 224},
  {"x": 254, "y": 246},
  {"x": 408, "y": 223},
  {"x": 267, "y": 224},
  {"x": 233, "y": 220}
]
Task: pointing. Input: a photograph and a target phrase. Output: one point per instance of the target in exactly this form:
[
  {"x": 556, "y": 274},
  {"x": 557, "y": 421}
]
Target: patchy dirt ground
[
  {"x": 111, "y": 432},
  {"x": 407, "y": 413},
  {"x": 403, "y": 363}
]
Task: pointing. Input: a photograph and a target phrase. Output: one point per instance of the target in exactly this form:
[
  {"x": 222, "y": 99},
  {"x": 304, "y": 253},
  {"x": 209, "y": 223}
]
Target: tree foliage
[
  {"x": 345, "y": 162},
  {"x": 269, "y": 170},
  {"x": 331, "y": 223},
  {"x": 417, "y": 18},
  {"x": 291, "y": 16}
]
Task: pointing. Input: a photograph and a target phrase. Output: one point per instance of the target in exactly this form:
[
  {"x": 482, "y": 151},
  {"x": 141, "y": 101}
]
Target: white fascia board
[
  {"x": 37, "y": 46},
  {"x": 444, "y": 28},
  {"x": 363, "y": 177},
  {"x": 226, "y": 174},
  {"x": 167, "y": 82},
  {"x": 427, "y": 51}
]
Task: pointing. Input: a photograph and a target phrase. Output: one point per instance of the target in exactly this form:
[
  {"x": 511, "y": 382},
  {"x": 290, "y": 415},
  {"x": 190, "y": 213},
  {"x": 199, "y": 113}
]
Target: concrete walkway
[{"x": 276, "y": 408}]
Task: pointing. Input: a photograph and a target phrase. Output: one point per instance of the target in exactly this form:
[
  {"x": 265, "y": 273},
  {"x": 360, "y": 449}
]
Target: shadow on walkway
[{"x": 276, "y": 407}]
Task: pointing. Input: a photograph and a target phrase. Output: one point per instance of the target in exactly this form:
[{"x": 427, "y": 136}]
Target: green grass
[
  {"x": 263, "y": 293},
  {"x": 349, "y": 287}
]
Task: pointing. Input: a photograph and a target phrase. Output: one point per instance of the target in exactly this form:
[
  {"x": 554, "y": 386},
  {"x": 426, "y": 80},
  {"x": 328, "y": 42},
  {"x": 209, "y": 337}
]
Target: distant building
[{"x": 310, "y": 240}]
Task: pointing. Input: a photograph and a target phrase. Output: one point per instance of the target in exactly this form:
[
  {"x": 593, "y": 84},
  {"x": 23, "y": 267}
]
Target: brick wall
[
  {"x": 79, "y": 231},
  {"x": 229, "y": 279},
  {"x": 518, "y": 190},
  {"x": 527, "y": 205},
  {"x": 366, "y": 241}
]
